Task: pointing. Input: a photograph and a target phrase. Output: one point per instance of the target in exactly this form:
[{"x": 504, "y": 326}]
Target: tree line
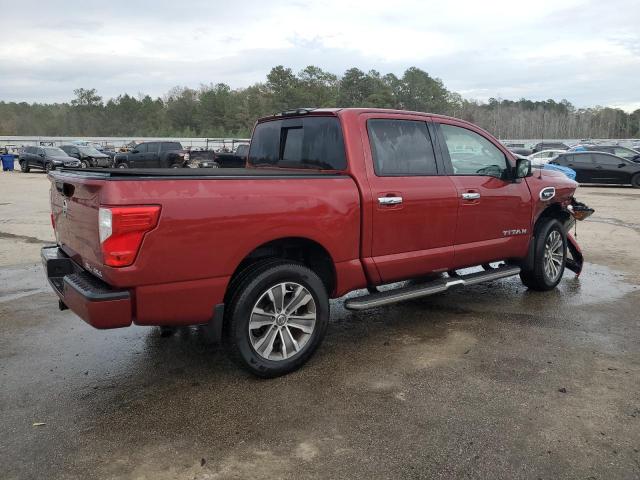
[{"x": 216, "y": 110}]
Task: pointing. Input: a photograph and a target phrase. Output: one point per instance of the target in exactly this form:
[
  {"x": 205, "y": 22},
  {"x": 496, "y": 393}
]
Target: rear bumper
[{"x": 97, "y": 303}]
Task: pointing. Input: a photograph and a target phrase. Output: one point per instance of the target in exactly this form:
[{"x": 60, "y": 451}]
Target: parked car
[
  {"x": 109, "y": 151},
  {"x": 237, "y": 159},
  {"x": 45, "y": 158},
  {"x": 600, "y": 167},
  {"x": 525, "y": 152},
  {"x": 538, "y": 147},
  {"x": 568, "y": 172},
  {"x": 618, "y": 151},
  {"x": 89, "y": 157},
  {"x": 305, "y": 222},
  {"x": 542, "y": 157},
  {"x": 153, "y": 155}
]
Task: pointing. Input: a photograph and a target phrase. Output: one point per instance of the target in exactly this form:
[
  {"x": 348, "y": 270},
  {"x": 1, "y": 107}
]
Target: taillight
[
  {"x": 122, "y": 230},
  {"x": 53, "y": 222}
]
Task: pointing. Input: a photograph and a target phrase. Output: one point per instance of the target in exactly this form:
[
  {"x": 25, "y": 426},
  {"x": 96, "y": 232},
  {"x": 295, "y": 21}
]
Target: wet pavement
[
  {"x": 491, "y": 381},
  {"x": 486, "y": 382}
]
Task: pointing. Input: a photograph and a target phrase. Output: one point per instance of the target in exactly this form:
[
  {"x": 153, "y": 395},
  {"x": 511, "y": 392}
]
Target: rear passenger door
[
  {"x": 609, "y": 169},
  {"x": 152, "y": 157},
  {"x": 39, "y": 157},
  {"x": 414, "y": 203},
  {"x": 494, "y": 214}
]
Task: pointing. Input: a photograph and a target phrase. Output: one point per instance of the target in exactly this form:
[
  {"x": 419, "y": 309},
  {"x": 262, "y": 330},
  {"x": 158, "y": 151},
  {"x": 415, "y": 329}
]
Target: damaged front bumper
[{"x": 577, "y": 211}]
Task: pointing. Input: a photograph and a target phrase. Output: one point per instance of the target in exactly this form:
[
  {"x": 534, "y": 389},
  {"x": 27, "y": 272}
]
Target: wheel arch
[
  {"x": 553, "y": 211},
  {"x": 304, "y": 250}
]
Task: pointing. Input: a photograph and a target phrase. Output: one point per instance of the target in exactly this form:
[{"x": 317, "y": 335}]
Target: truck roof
[{"x": 303, "y": 111}]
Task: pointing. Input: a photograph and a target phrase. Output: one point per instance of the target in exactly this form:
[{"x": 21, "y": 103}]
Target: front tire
[
  {"x": 550, "y": 255},
  {"x": 24, "y": 166},
  {"x": 635, "y": 181},
  {"x": 277, "y": 317},
  {"x": 49, "y": 166},
  {"x": 123, "y": 165},
  {"x": 84, "y": 164}
]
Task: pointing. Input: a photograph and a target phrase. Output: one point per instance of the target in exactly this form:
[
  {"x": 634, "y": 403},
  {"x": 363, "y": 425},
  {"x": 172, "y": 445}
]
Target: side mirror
[
  {"x": 135, "y": 151},
  {"x": 523, "y": 168},
  {"x": 620, "y": 165},
  {"x": 41, "y": 154}
]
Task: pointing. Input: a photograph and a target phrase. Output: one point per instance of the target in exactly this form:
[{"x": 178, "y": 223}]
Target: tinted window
[
  {"x": 54, "y": 152},
  {"x": 171, "y": 146},
  {"x": 401, "y": 147},
  {"x": 312, "y": 142},
  {"x": 29, "y": 150},
  {"x": 583, "y": 158},
  {"x": 142, "y": 148},
  {"x": 624, "y": 152},
  {"x": 153, "y": 147},
  {"x": 472, "y": 154},
  {"x": 606, "y": 160}
]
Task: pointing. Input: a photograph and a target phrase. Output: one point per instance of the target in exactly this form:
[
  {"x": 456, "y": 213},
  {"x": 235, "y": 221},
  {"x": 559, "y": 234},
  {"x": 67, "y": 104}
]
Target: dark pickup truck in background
[
  {"x": 173, "y": 155},
  {"x": 331, "y": 201},
  {"x": 153, "y": 155}
]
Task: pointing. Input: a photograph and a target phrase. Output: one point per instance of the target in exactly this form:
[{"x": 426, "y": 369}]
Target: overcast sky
[{"x": 585, "y": 51}]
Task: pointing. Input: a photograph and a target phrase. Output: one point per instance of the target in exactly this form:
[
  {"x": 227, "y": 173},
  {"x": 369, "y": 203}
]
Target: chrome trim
[
  {"x": 389, "y": 200},
  {"x": 470, "y": 196},
  {"x": 437, "y": 286},
  {"x": 551, "y": 192}
]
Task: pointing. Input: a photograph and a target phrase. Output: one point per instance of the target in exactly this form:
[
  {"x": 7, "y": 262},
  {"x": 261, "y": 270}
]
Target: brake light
[
  {"x": 53, "y": 222},
  {"x": 122, "y": 230}
]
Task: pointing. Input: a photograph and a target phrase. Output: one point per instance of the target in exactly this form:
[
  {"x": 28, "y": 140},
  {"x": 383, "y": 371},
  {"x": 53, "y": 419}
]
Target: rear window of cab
[{"x": 308, "y": 142}]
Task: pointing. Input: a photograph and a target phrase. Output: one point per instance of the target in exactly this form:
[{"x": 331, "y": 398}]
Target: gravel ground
[{"x": 488, "y": 382}]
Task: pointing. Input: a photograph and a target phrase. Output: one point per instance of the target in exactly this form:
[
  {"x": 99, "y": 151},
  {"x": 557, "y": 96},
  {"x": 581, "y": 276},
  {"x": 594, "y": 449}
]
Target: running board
[{"x": 417, "y": 291}]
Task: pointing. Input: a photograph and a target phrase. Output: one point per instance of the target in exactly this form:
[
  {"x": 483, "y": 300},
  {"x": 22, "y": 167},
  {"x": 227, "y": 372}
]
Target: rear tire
[
  {"x": 49, "y": 166},
  {"x": 276, "y": 318},
  {"x": 635, "y": 181},
  {"x": 24, "y": 166},
  {"x": 550, "y": 255}
]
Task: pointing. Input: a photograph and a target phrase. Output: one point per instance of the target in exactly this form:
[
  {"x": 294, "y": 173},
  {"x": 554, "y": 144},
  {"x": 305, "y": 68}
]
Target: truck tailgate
[{"x": 74, "y": 205}]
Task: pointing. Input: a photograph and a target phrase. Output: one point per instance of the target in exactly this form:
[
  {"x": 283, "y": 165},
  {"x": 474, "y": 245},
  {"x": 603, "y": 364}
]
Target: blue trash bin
[{"x": 7, "y": 162}]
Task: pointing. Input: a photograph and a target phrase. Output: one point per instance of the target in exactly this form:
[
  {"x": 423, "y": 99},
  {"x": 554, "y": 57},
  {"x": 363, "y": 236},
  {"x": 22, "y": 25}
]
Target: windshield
[
  {"x": 89, "y": 151},
  {"x": 54, "y": 152}
]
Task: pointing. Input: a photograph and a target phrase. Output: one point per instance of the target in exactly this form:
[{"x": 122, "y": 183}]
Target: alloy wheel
[
  {"x": 553, "y": 255},
  {"x": 282, "y": 321}
]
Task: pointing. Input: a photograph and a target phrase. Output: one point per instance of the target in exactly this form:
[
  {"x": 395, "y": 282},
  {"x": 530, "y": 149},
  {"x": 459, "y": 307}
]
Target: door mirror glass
[{"x": 523, "y": 168}]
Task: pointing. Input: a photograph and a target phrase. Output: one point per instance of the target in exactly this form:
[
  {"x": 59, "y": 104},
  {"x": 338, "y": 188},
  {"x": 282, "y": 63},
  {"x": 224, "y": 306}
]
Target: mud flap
[{"x": 575, "y": 262}]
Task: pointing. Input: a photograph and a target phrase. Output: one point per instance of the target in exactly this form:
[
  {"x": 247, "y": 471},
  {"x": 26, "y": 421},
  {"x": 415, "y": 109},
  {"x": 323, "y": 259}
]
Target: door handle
[
  {"x": 389, "y": 200},
  {"x": 470, "y": 196}
]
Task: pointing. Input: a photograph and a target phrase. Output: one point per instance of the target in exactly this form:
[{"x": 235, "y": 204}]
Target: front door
[
  {"x": 414, "y": 203},
  {"x": 494, "y": 214},
  {"x": 581, "y": 163},
  {"x": 136, "y": 160}
]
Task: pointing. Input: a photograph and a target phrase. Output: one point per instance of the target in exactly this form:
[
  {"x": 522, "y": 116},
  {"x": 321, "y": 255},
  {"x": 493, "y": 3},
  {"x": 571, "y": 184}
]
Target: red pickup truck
[{"x": 331, "y": 201}]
